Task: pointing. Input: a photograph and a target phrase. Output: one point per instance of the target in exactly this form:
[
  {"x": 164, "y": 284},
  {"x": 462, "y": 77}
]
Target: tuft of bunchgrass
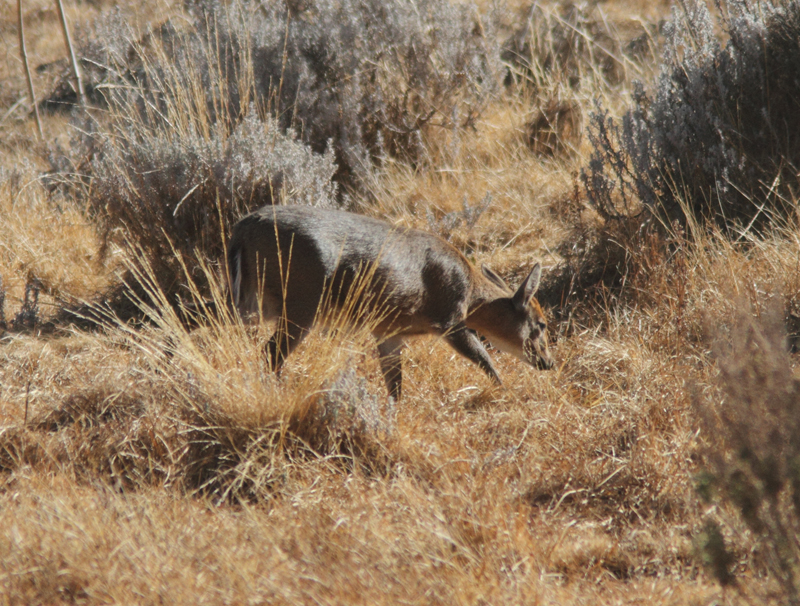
[
  {"x": 237, "y": 426},
  {"x": 49, "y": 254}
]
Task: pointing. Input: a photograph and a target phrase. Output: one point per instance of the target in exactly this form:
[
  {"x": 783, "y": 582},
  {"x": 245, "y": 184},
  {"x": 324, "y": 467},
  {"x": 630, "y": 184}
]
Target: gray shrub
[
  {"x": 719, "y": 137},
  {"x": 171, "y": 191},
  {"x": 363, "y": 77}
]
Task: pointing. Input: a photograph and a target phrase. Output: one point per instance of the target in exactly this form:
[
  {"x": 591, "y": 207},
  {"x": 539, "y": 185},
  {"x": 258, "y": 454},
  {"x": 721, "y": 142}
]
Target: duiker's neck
[{"x": 483, "y": 292}]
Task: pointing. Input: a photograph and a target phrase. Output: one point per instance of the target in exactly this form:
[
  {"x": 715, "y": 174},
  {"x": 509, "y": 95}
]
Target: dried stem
[
  {"x": 24, "y": 55},
  {"x": 76, "y": 72}
]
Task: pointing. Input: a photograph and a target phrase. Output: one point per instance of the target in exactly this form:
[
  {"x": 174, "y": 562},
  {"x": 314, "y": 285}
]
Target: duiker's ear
[
  {"x": 494, "y": 277},
  {"x": 528, "y": 287}
]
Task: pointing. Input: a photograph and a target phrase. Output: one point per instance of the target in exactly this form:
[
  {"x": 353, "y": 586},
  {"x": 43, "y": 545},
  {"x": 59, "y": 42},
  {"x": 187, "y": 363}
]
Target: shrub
[
  {"x": 182, "y": 151},
  {"x": 179, "y": 193},
  {"x": 753, "y": 444},
  {"x": 721, "y": 131},
  {"x": 417, "y": 65},
  {"x": 414, "y": 65}
]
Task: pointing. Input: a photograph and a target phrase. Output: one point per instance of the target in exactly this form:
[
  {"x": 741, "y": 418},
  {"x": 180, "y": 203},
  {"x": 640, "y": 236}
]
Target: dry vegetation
[{"x": 148, "y": 456}]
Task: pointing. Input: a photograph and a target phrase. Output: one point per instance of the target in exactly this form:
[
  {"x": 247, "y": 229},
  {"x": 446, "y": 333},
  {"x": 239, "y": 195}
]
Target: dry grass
[{"x": 154, "y": 463}]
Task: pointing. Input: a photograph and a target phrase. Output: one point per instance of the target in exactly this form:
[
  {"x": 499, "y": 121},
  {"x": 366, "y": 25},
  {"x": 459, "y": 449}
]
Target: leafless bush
[
  {"x": 183, "y": 150},
  {"x": 418, "y": 65},
  {"x": 753, "y": 442},
  {"x": 108, "y": 58},
  {"x": 173, "y": 193},
  {"x": 719, "y": 133},
  {"x": 181, "y": 193},
  {"x": 344, "y": 421}
]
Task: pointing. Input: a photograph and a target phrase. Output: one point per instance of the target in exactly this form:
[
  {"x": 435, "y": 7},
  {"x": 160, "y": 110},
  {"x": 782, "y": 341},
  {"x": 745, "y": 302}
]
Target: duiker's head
[{"x": 515, "y": 323}]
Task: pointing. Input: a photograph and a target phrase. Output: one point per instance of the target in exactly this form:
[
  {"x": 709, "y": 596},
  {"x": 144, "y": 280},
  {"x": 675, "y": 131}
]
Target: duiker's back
[{"x": 300, "y": 254}]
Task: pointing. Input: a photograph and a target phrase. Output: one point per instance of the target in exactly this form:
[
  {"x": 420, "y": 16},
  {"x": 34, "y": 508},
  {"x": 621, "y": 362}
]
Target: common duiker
[{"x": 289, "y": 262}]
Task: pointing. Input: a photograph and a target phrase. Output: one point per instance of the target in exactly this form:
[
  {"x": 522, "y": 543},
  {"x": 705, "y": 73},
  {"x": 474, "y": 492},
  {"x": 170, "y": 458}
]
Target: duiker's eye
[{"x": 542, "y": 326}]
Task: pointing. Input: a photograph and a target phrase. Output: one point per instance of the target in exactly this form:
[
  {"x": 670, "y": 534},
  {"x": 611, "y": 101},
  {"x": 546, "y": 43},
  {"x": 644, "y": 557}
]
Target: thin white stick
[
  {"x": 76, "y": 70},
  {"x": 24, "y": 54}
]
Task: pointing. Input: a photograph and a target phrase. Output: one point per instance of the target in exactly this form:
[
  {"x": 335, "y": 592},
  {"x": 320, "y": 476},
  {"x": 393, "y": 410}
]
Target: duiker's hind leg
[
  {"x": 284, "y": 341},
  {"x": 390, "y": 352},
  {"x": 467, "y": 343}
]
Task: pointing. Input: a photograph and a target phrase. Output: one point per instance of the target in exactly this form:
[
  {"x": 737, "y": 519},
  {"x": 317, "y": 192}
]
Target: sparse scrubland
[{"x": 646, "y": 155}]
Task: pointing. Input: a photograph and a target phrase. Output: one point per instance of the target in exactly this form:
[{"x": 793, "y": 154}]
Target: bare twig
[
  {"x": 24, "y": 55},
  {"x": 76, "y": 71},
  {"x": 12, "y": 109},
  {"x": 27, "y": 401}
]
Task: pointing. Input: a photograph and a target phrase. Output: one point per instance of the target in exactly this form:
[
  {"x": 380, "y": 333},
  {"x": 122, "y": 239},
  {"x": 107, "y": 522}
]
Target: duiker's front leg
[
  {"x": 390, "y": 352},
  {"x": 467, "y": 343}
]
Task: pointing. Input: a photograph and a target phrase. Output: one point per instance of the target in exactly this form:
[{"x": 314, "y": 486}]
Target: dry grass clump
[
  {"x": 571, "y": 44},
  {"x": 48, "y": 248},
  {"x": 189, "y": 426},
  {"x": 181, "y": 431},
  {"x": 178, "y": 157}
]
